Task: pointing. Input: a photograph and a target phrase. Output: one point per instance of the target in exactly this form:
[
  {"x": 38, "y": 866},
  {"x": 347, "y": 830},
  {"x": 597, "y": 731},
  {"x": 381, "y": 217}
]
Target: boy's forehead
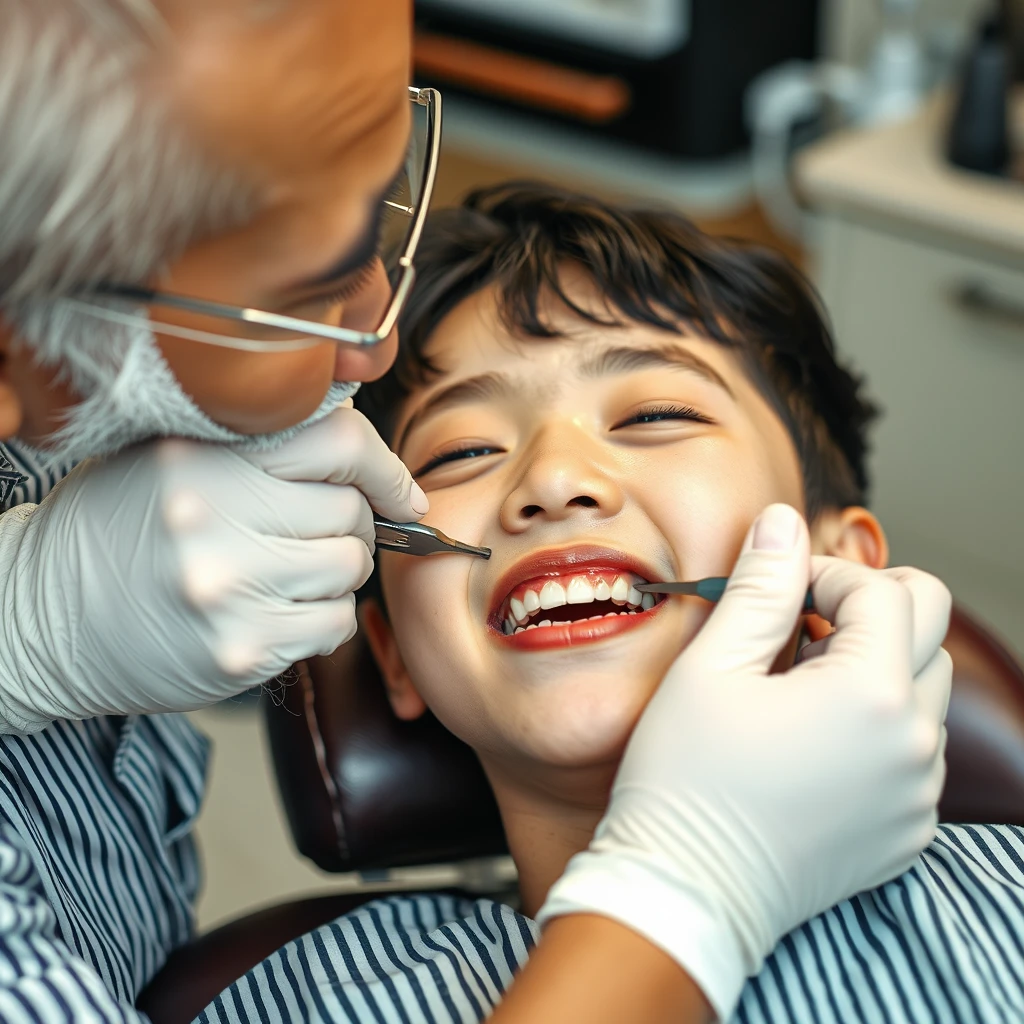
[{"x": 473, "y": 339}]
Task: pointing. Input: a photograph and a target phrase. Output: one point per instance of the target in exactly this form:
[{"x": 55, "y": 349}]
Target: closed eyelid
[{"x": 464, "y": 453}]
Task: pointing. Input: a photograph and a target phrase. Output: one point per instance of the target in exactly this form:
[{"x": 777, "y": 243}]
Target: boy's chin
[{"x": 588, "y": 730}]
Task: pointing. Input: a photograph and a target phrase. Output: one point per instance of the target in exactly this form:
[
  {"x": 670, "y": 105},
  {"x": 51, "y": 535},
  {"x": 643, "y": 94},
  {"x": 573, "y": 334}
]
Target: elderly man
[{"x": 191, "y": 201}]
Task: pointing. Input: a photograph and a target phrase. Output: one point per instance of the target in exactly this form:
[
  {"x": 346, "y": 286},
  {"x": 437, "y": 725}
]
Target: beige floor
[{"x": 247, "y": 855}]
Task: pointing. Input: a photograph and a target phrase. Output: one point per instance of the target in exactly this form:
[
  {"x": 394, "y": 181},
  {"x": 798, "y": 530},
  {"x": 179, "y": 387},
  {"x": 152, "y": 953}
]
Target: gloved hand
[
  {"x": 748, "y": 802},
  {"x": 180, "y": 573}
]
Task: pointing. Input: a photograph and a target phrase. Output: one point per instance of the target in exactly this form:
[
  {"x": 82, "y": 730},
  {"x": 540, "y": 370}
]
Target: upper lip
[{"x": 561, "y": 562}]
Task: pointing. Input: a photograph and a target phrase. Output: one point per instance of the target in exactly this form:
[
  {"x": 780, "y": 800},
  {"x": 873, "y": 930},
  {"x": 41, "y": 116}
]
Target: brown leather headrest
[
  {"x": 364, "y": 790},
  {"x": 985, "y": 752}
]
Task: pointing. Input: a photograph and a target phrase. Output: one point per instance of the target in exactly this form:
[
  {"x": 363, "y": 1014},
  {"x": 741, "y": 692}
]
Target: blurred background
[{"x": 876, "y": 142}]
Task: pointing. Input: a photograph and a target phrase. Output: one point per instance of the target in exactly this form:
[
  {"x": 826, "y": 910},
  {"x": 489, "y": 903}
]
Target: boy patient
[{"x": 605, "y": 397}]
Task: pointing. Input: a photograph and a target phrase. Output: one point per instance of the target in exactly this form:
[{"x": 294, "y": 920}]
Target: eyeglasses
[{"x": 402, "y": 218}]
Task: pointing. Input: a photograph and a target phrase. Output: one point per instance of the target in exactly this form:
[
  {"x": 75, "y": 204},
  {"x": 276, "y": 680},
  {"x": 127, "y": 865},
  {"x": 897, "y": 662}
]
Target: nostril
[
  {"x": 529, "y": 511},
  {"x": 584, "y": 500}
]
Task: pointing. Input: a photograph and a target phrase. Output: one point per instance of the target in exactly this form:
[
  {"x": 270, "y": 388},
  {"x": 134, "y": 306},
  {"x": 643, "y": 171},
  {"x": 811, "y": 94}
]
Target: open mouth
[{"x": 581, "y": 596}]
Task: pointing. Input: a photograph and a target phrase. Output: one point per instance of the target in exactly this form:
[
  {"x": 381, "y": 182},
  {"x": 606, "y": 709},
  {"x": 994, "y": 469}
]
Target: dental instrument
[
  {"x": 417, "y": 539},
  {"x": 710, "y": 589}
]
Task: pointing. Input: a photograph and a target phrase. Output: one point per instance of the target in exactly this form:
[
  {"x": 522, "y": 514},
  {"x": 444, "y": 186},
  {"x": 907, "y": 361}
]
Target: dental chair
[{"x": 365, "y": 792}]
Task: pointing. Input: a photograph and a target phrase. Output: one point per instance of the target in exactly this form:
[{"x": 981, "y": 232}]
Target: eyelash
[
  {"x": 668, "y": 411},
  {"x": 470, "y": 451},
  {"x": 652, "y": 414},
  {"x": 354, "y": 281}
]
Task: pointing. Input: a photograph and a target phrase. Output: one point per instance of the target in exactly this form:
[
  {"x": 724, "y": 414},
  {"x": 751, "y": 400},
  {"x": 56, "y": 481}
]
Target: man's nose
[
  {"x": 563, "y": 479},
  {"x": 364, "y": 312}
]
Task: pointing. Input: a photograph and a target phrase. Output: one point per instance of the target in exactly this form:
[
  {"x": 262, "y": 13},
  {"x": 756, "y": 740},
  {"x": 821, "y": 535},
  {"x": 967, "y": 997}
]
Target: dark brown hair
[{"x": 655, "y": 267}]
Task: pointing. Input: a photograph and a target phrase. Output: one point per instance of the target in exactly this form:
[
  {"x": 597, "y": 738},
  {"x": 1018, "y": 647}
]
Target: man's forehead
[{"x": 294, "y": 87}]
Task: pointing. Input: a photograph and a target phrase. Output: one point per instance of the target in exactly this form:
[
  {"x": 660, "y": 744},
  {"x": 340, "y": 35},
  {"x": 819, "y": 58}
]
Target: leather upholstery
[
  {"x": 985, "y": 750},
  {"x": 364, "y": 790}
]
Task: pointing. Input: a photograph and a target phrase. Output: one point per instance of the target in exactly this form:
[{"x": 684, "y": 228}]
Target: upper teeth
[{"x": 579, "y": 590}]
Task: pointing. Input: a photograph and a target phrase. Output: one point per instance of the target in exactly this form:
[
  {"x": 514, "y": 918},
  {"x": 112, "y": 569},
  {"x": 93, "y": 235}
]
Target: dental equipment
[
  {"x": 710, "y": 589},
  {"x": 417, "y": 539}
]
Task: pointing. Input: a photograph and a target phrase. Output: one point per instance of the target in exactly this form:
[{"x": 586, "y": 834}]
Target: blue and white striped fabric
[
  {"x": 36, "y": 479},
  {"x": 944, "y": 943},
  {"x": 98, "y": 870}
]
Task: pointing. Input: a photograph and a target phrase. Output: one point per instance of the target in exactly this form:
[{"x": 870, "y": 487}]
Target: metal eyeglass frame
[{"x": 429, "y": 98}]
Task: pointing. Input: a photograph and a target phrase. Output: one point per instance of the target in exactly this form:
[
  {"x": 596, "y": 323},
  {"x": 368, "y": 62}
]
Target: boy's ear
[
  {"x": 10, "y": 405},
  {"x": 852, "y": 533},
  {"x": 406, "y": 702}
]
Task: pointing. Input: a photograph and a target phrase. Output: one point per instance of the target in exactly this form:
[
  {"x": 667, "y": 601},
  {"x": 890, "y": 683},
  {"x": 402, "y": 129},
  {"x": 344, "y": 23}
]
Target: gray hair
[{"x": 99, "y": 178}]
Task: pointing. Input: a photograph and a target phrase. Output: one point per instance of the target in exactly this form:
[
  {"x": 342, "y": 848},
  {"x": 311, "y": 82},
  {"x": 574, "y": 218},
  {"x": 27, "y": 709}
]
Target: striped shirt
[
  {"x": 942, "y": 943},
  {"x": 98, "y": 878},
  {"x": 24, "y": 478}
]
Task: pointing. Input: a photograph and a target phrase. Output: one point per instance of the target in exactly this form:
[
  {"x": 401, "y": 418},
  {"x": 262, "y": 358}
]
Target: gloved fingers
[
  {"x": 316, "y": 627},
  {"x": 304, "y": 511},
  {"x": 273, "y": 572},
  {"x": 315, "y": 570},
  {"x": 300, "y": 630},
  {"x": 343, "y": 448},
  {"x": 932, "y": 604},
  {"x": 815, "y": 649},
  {"x": 273, "y": 508},
  {"x": 872, "y": 614},
  {"x": 759, "y": 610},
  {"x": 933, "y": 686}
]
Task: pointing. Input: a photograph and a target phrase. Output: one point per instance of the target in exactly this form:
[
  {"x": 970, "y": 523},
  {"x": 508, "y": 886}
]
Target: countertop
[{"x": 897, "y": 171}]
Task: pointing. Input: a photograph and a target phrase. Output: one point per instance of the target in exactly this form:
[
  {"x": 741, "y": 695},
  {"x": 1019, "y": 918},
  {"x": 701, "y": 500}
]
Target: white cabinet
[
  {"x": 939, "y": 333},
  {"x": 922, "y": 269}
]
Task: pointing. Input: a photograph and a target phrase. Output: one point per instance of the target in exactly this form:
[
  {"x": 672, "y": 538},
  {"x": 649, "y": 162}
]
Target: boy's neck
[{"x": 547, "y": 824}]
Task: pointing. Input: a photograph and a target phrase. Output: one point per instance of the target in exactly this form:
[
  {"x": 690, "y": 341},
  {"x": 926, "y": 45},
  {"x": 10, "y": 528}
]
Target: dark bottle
[{"x": 979, "y": 131}]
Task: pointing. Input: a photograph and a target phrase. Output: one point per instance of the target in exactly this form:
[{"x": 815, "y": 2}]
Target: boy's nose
[{"x": 561, "y": 481}]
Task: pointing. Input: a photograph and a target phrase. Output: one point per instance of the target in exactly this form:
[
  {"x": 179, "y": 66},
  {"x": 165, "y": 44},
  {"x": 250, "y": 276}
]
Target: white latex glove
[
  {"x": 180, "y": 573},
  {"x": 748, "y": 802}
]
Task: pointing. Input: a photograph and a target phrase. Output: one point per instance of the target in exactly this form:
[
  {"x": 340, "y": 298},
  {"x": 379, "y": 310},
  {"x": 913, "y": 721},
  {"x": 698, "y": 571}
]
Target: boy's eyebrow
[
  {"x": 473, "y": 389},
  {"x": 626, "y": 358}
]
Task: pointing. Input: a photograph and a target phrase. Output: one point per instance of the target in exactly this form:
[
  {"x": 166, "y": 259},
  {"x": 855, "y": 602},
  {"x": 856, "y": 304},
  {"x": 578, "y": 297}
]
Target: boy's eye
[
  {"x": 473, "y": 451},
  {"x": 660, "y": 412}
]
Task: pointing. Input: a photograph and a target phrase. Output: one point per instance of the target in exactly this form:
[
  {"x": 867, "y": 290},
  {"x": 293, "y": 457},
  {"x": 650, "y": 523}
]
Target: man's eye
[
  {"x": 352, "y": 283},
  {"x": 657, "y": 413},
  {"x": 316, "y": 307},
  {"x": 470, "y": 452}
]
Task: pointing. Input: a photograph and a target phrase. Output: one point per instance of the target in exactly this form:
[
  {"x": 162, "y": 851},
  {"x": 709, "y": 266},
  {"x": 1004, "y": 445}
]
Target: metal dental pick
[{"x": 417, "y": 539}]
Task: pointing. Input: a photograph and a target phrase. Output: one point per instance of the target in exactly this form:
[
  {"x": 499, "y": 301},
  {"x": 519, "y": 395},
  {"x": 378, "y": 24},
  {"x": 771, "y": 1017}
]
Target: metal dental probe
[
  {"x": 417, "y": 539},
  {"x": 710, "y": 589}
]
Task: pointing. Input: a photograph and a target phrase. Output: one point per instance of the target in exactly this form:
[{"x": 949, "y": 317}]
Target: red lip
[{"x": 560, "y": 562}]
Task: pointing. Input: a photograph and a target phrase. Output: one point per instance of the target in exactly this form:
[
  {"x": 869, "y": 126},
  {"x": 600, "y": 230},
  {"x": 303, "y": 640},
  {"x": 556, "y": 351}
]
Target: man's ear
[
  {"x": 10, "y": 405},
  {"x": 406, "y": 702},
  {"x": 852, "y": 533}
]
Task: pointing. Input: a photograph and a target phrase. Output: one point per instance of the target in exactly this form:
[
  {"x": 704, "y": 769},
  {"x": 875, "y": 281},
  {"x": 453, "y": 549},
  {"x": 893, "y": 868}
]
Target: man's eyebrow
[
  {"x": 361, "y": 251},
  {"x": 627, "y": 358},
  {"x": 482, "y": 388}
]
